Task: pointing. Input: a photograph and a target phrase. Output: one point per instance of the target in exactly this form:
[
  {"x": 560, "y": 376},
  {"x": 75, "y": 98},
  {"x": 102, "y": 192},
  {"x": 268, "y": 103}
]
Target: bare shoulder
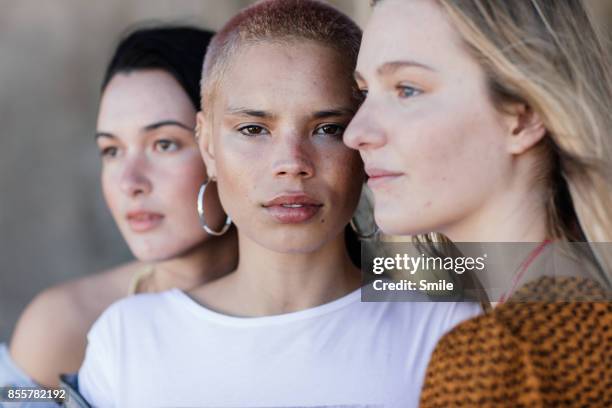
[{"x": 51, "y": 335}]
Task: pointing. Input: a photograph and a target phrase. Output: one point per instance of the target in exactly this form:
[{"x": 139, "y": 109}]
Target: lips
[
  {"x": 143, "y": 221},
  {"x": 379, "y": 177},
  {"x": 293, "y": 208}
]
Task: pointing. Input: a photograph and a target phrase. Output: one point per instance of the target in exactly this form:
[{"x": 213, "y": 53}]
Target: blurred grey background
[
  {"x": 53, "y": 221},
  {"x": 54, "y": 224}
]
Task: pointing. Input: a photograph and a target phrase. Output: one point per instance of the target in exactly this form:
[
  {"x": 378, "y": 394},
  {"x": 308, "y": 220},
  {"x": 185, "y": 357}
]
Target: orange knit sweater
[{"x": 534, "y": 351}]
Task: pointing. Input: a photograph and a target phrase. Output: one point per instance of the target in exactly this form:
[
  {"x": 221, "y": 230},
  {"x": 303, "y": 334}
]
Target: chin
[
  {"x": 296, "y": 247},
  {"x": 155, "y": 253},
  {"x": 390, "y": 225},
  {"x": 294, "y": 243},
  {"x": 151, "y": 256},
  {"x": 404, "y": 223}
]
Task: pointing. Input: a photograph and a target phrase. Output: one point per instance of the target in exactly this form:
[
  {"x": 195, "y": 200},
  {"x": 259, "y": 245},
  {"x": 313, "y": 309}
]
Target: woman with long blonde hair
[{"x": 489, "y": 121}]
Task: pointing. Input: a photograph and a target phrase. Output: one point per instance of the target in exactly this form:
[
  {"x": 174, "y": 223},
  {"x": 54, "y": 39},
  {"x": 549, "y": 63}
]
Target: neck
[
  {"x": 506, "y": 217},
  {"x": 270, "y": 282},
  {"x": 210, "y": 260},
  {"x": 510, "y": 216}
]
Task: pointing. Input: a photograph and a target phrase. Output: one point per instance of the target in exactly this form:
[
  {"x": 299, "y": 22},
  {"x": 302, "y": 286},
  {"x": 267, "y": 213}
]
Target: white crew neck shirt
[{"x": 167, "y": 350}]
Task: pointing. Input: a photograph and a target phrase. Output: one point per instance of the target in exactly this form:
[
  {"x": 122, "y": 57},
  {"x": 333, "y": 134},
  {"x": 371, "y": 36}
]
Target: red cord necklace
[{"x": 523, "y": 268}]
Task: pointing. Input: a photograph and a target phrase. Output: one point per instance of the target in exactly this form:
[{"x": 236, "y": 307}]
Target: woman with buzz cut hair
[{"x": 286, "y": 328}]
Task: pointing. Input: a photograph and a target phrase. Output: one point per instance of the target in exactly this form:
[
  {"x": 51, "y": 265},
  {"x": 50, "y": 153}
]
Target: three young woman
[
  {"x": 489, "y": 121},
  {"x": 151, "y": 173},
  {"x": 287, "y": 327}
]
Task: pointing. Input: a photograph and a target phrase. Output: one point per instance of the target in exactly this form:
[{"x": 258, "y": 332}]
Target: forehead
[
  {"x": 139, "y": 98},
  {"x": 285, "y": 75},
  {"x": 416, "y": 30}
]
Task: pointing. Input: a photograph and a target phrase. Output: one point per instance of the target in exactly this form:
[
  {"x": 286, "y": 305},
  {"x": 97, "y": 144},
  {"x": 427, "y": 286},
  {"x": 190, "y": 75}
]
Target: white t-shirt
[{"x": 166, "y": 350}]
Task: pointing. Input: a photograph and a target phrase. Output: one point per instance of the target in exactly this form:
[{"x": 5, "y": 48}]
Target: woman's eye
[
  {"x": 166, "y": 145},
  {"x": 364, "y": 93},
  {"x": 110, "y": 151},
  {"x": 407, "y": 91},
  {"x": 330, "y": 130},
  {"x": 252, "y": 130}
]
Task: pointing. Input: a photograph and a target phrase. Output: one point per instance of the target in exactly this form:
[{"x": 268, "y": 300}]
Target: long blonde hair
[{"x": 550, "y": 56}]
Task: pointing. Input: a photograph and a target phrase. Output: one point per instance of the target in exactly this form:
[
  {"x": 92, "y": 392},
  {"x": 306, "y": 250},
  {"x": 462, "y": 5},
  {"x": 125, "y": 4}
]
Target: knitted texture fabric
[{"x": 534, "y": 351}]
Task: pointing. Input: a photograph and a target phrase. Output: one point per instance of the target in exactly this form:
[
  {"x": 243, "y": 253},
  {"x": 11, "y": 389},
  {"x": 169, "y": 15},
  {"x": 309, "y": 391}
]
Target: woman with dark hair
[{"x": 151, "y": 173}]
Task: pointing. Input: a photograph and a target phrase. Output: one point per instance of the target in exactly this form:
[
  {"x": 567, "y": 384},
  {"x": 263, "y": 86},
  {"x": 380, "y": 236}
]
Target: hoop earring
[
  {"x": 360, "y": 235},
  {"x": 228, "y": 220}
]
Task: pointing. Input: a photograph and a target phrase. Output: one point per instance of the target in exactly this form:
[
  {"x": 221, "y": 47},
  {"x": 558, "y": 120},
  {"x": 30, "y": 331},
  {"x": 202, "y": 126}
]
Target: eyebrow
[
  {"x": 322, "y": 114},
  {"x": 328, "y": 113},
  {"x": 250, "y": 112},
  {"x": 390, "y": 67},
  {"x": 162, "y": 123},
  {"x": 149, "y": 128},
  {"x": 104, "y": 134}
]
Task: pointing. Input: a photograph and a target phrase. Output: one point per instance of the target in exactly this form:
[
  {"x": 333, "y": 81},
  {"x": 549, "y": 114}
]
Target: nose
[
  {"x": 134, "y": 181},
  {"x": 293, "y": 158},
  {"x": 364, "y": 132}
]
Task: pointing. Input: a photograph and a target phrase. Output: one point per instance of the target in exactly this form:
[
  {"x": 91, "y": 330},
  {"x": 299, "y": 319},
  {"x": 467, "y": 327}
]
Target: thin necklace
[
  {"x": 139, "y": 277},
  {"x": 523, "y": 268}
]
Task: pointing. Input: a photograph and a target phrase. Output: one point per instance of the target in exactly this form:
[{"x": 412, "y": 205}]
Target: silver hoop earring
[
  {"x": 359, "y": 234},
  {"x": 228, "y": 220}
]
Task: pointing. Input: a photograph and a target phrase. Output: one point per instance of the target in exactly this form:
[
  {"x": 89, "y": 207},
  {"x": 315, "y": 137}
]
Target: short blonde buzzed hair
[{"x": 279, "y": 21}]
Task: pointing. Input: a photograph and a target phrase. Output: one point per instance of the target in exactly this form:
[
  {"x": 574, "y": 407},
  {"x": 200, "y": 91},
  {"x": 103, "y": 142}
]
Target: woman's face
[
  {"x": 151, "y": 166},
  {"x": 432, "y": 142},
  {"x": 275, "y": 145}
]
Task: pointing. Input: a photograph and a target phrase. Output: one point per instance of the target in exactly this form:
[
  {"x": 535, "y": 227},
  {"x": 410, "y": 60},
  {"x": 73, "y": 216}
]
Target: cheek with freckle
[
  {"x": 186, "y": 170},
  {"x": 241, "y": 168},
  {"x": 237, "y": 183},
  {"x": 450, "y": 165},
  {"x": 176, "y": 180}
]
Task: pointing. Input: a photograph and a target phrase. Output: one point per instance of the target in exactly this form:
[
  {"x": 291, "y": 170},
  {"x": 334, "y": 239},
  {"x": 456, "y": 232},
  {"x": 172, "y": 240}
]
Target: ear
[
  {"x": 526, "y": 128},
  {"x": 205, "y": 143}
]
